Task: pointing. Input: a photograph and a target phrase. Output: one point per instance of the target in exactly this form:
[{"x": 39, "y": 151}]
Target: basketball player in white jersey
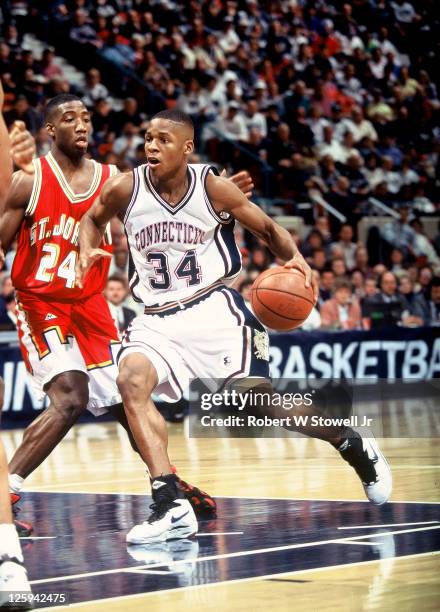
[{"x": 179, "y": 221}]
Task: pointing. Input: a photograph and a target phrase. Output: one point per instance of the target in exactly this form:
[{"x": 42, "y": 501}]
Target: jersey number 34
[{"x": 187, "y": 269}]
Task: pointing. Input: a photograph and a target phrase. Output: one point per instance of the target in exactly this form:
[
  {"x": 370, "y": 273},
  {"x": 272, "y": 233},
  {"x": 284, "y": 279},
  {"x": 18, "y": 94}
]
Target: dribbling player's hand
[
  {"x": 300, "y": 264},
  {"x": 242, "y": 180},
  {"x": 85, "y": 262},
  {"x": 23, "y": 147}
]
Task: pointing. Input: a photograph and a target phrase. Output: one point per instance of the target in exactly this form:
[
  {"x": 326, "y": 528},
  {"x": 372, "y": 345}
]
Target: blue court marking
[{"x": 88, "y": 558}]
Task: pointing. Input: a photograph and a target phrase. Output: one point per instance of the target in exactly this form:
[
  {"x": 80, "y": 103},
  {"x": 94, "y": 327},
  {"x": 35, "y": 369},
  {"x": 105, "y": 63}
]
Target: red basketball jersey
[{"x": 48, "y": 240}]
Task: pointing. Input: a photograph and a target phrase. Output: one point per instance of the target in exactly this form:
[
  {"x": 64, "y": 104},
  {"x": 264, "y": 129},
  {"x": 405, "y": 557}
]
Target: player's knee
[
  {"x": 70, "y": 397},
  {"x": 131, "y": 384},
  {"x": 135, "y": 384},
  {"x": 72, "y": 405}
]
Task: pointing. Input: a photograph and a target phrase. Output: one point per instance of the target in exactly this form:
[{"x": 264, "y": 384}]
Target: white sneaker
[
  {"x": 14, "y": 585},
  {"x": 169, "y": 521},
  {"x": 364, "y": 455}
]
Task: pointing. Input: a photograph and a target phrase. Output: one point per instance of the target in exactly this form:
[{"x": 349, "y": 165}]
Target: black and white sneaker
[
  {"x": 14, "y": 585},
  {"x": 364, "y": 455},
  {"x": 172, "y": 517},
  {"x": 168, "y": 521}
]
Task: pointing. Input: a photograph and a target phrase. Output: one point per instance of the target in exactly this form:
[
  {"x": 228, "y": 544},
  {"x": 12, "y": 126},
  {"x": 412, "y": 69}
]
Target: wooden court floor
[{"x": 97, "y": 459}]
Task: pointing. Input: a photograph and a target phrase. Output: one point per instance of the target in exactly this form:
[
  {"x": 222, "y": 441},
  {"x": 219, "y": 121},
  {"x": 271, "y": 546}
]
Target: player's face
[
  {"x": 71, "y": 127},
  {"x": 167, "y": 147}
]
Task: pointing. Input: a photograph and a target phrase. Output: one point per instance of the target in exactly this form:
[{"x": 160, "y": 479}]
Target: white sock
[
  {"x": 9, "y": 542},
  {"x": 15, "y": 483}
]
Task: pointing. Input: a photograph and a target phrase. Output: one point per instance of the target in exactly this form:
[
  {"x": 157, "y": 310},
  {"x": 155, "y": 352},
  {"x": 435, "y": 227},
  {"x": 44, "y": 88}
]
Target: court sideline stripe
[
  {"x": 389, "y": 525},
  {"x": 233, "y": 581},
  {"x": 318, "y": 499},
  {"x": 241, "y": 553}
]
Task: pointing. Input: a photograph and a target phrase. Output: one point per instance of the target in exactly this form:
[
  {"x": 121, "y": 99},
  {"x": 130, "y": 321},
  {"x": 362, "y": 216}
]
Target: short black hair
[
  {"x": 53, "y": 104},
  {"x": 435, "y": 282},
  {"x": 177, "y": 116}
]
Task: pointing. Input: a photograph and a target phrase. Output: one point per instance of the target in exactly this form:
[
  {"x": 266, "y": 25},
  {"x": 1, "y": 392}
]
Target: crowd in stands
[{"x": 320, "y": 100}]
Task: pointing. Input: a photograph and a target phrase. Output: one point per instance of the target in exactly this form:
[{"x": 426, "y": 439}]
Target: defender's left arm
[{"x": 226, "y": 197}]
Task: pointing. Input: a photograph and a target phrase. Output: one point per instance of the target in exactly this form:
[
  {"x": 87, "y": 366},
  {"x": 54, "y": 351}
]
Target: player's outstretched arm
[
  {"x": 226, "y": 197},
  {"x": 112, "y": 201}
]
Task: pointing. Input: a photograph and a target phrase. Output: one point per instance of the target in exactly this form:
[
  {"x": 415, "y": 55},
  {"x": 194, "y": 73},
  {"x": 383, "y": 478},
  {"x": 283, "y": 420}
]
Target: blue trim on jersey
[
  {"x": 249, "y": 318},
  {"x": 204, "y": 176},
  {"x": 221, "y": 249},
  {"x": 257, "y": 366},
  {"x": 225, "y": 240},
  {"x": 191, "y": 177},
  {"x": 177, "y": 306},
  {"x": 133, "y": 276}
]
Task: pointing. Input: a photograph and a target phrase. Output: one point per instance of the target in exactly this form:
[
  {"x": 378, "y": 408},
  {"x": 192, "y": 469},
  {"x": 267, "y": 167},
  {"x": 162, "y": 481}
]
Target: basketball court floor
[{"x": 293, "y": 530}]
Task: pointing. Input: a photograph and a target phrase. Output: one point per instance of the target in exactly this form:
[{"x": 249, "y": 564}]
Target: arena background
[{"x": 333, "y": 109}]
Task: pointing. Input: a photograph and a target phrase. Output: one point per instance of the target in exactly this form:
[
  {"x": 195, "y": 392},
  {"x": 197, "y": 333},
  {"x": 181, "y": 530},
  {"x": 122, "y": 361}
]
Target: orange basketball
[{"x": 280, "y": 300}]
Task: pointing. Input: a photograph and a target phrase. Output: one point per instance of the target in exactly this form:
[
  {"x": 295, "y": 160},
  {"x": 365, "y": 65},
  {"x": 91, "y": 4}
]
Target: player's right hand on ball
[{"x": 85, "y": 262}]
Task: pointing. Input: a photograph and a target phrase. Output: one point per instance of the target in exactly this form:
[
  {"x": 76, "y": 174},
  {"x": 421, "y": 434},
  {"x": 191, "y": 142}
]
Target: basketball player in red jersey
[
  {"x": 67, "y": 335},
  {"x": 13, "y": 577}
]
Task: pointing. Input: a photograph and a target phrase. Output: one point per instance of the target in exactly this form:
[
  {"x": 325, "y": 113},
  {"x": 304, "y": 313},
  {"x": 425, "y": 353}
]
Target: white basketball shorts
[{"x": 210, "y": 336}]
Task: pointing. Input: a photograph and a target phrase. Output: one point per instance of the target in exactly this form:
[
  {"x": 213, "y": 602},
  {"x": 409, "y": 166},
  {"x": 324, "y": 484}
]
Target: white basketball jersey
[{"x": 175, "y": 251}]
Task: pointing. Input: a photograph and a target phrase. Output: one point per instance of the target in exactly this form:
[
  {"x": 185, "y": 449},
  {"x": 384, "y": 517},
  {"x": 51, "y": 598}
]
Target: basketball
[{"x": 280, "y": 299}]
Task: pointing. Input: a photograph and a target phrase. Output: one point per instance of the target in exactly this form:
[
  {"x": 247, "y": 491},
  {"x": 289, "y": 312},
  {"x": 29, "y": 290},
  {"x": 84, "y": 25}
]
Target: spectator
[
  {"x": 432, "y": 307},
  {"x": 254, "y": 119},
  {"x": 125, "y": 146},
  {"x": 22, "y": 111},
  {"x": 48, "y": 66},
  {"x": 388, "y": 306},
  {"x": 245, "y": 290},
  {"x": 342, "y": 311},
  {"x": 119, "y": 264},
  {"x": 399, "y": 233},
  {"x": 359, "y": 126},
  {"x": 338, "y": 266},
  {"x": 416, "y": 303},
  {"x": 346, "y": 246},
  {"x": 94, "y": 90},
  {"x": 330, "y": 146},
  {"x": 397, "y": 258},
  {"x": 318, "y": 261},
  {"x": 326, "y": 285},
  {"x": 116, "y": 292},
  {"x": 83, "y": 33},
  {"x": 8, "y": 318},
  {"x": 232, "y": 125}
]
